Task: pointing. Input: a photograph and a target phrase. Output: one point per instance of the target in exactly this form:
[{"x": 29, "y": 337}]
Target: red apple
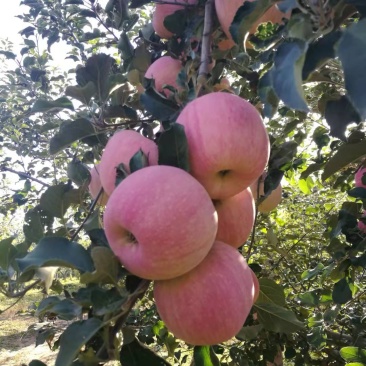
[
  {"x": 160, "y": 222},
  {"x": 121, "y": 147},
  {"x": 209, "y": 304},
  {"x": 162, "y": 11},
  {"x": 228, "y": 143},
  {"x": 236, "y": 216},
  {"x": 256, "y": 286},
  {"x": 358, "y": 177},
  {"x": 164, "y": 71},
  {"x": 95, "y": 186},
  {"x": 271, "y": 201}
]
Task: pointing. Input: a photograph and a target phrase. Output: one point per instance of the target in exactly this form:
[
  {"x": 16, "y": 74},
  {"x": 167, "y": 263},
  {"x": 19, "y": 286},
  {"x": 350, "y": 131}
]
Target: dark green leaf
[
  {"x": 136, "y": 354},
  {"x": 65, "y": 309},
  {"x": 358, "y": 192},
  {"x": 106, "y": 301},
  {"x": 74, "y": 338},
  {"x": 42, "y": 105},
  {"x": 271, "y": 292},
  {"x": 82, "y": 94},
  {"x": 87, "y": 13},
  {"x": 36, "y": 363},
  {"x": 9, "y": 55},
  {"x": 173, "y": 147},
  {"x": 138, "y": 161},
  {"x": 78, "y": 173},
  {"x": 176, "y": 22},
  {"x": 250, "y": 332},
  {"x": 33, "y": 226},
  {"x": 7, "y": 252},
  {"x": 353, "y": 42},
  {"x": 342, "y": 292},
  {"x": 138, "y": 3},
  {"x": 53, "y": 200},
  {"x": 205, "y": 356},
  {"x": 55, "y": 251}
]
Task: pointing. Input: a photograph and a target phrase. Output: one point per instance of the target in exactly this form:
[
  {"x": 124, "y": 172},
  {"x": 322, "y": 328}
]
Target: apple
[
  {"x": 271, "y": 201},
  {"x": 160, "y": 222},
  {"x": 121, "y": 147},
  {"x": 209, "y": 304},
  {"x": 162, "y": 11},
  {"x": 95, "y": 186},
  {"x": 358, "y": 177},
  {"x": 256, "y": 286},
  {"x": 164, "y": 71},
  {"x": 228, "y": 143},
  {"x": 226, "y": 11},
  {"x": 236, "y": 216}
]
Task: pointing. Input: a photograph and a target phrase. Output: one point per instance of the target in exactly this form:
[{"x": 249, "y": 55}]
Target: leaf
[
  {"x": 249, "y": 332},
  {"x": 138, "y": 3},
  {"x": 65, "y": 309},
  {"x": 70, "y": 132},
  {"x": 33, "y": 227},
  {"x": 56, "y": 251},
  {"x": 107, "y": 301},
  {"x": 74, "y": 338},
  {"x": 342, "y": 292},
  {"x": 353, "y": 354},
  {"x": 36, "y": 363},
  {"x": 106, "y": 267},
  {"x": 7, "y": 252},
  {"x": 82, "y": 94},
  {"x": 310, "y": 273},
  {"x": 345, "y": 155},
  {"x": 78, "y": 173},
  {"x": 136, "y": 354},
  {"x": 277, "y": 319},
  {"x": 138, "y": 161},
  {"x": 9, "y": 55},
  {"x": 205, "y": 356},
  {"x": 271, "y": 292},
  {"x": 53, "y": 200},
  {"x": 159, "y": 107},
  {"x": 358, "y": 192},
  {"x": 339, "y": 114},
  {"x": 42, "y": 105},
  {"x": 173, "y": 147},
  {"x": 176, "y": 22},
  {"x": 287, "y": 74},
  {"x": 353, "y": 42}
]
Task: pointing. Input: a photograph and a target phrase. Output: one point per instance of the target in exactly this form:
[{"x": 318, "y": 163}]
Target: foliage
[{"x": 306, "y": 76}]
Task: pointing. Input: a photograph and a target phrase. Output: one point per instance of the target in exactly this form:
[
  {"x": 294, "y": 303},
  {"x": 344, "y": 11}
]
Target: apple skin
[
  {"x": 236, "y": 216},
  {"x": 164, "y": 71},
  {"x": 256, "y": 287},
  {"x": 162, "y": 11},
  {"x": 226, "y": 11},
  {"x": 358, "y": 177},
  {"x": 160, "y": 222},
  {"x": 209, "y": 304},
  {"x": 228, "y": 143},
  {"x": 271, "y": 201},
  {"x": 95, "y": 186},
  {"x": 121, "y": 147}
]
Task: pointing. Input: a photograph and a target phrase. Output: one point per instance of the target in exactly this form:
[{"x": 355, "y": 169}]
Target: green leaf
[
  {"x": 345, "y": 155},
  {"x": 65, "y": 309},
  {"x": 287, "y": 74},
  {"x": 55, "y": 251},
  {"x": 42, "y": 105},
  {"x": 159, "y": 107},
  {"x": 342, "y": 292},
  {"x": 277, "y": 319},
  {"x": 9, "y": 55},
  {"x": 53, "y": 200},
  {"x": 7, "y": 252},
  {"x": 353, "y": 354},
  {"x": 249, "y": 332},
  {"x": 138, "y": 161},
  {"x": 33, "y": 227},
  {"x": 317, "y": 337},
  {"x": 353, "y": 42},
  {"x": 310, "y": 273},
  {"x": 74, "y": 338},
  {"x": 78, "y": 173},
  {"x": 82, "y": 94},
  {"x": 70, "y": 132},
  {"x": 271, "y": 292},
  {"x": 107, "y": 301},
  {"x": 173, "y": 147},
  {"x": 106, "y": 267},
  {"x": 176, "y": 22},
  {"x": 136, "y": 354},
  {"x": 36, "y": 363},
  {"x": 205, "y": 356}
]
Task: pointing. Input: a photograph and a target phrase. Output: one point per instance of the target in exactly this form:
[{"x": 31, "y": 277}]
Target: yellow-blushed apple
[
  {"x": 228, "y": 143},
  {"x": 236, "y": 216},
  {"x": 162, "y": 11},
  {"x": 121, "y": 147},
  {"x": 160, "y": 222},
  {"x": 95, "y": 186},
  {"x": 164, "y": 71},
  {"x": 271, "y": 201},
  {"x": 209, "y": 304},
  {"x": 358, "y": 177}
]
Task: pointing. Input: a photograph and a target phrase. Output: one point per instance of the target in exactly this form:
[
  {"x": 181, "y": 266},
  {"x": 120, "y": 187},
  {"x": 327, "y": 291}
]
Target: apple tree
[{"x": 140, "y": 66}]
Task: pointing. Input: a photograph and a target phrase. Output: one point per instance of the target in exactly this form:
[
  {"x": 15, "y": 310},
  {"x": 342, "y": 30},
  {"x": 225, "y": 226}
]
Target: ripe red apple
[
  {"x": 162, "y": 11},
  {"x": 228, "y": 143},
  {"x": 121, "y": 147},
  {"x": 226, "y": 11},
  {"x": 236, "y": 216},
  {"x": 95, "y": 186},
  {"x": 164, "y": 71},
  {"x": 271, "y": 201},
  {"x": 358, "y": 177},
  {"x": 256, "y": 287},
  {"x": 160, "y": 222},
  {"x": 209, "y": 304}
]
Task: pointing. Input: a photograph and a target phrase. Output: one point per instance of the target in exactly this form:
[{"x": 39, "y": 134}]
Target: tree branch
[{"x": 24, "y": 175}]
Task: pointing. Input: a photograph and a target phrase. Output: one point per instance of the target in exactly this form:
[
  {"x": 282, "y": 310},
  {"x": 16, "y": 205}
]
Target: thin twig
[{"x": 24, "y": 175}]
